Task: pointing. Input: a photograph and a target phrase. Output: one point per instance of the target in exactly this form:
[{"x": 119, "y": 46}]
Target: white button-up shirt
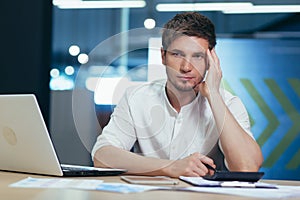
[{"x": 145, "y": 119}]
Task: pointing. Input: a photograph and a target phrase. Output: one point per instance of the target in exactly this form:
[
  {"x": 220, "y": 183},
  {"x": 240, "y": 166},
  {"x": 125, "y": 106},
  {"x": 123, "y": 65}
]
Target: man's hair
[{"x": 189, "y": 24}]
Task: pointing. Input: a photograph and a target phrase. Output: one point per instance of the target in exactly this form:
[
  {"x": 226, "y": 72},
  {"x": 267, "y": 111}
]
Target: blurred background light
[
  {"x": 54, "y": 73},
  {"x": 74, "y": 50},
  {"x": 149, "y": 23},
  {"x": 69, "y": 70},
  {"x": 171, "y": 7},
  {"x": 78, "y": 4},
  {"x": 264, "y": 9},
  {"x": 83, "y": 58},
  {"x": 61, "y": 83}
]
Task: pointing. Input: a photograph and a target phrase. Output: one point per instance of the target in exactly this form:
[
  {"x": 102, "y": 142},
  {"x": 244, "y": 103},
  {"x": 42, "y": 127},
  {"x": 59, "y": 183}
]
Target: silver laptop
[{"x": 25, "y": 144}]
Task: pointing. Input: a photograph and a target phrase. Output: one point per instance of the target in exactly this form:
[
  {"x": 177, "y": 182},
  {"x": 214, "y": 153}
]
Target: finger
[
  {"x": 214, "y": 55},
  {"x": 200, "y": 168},
  {"x": 207, "y": 168},
  {"x": 200, "y": 171},
  {"x": 216, "y": 59},
  {"x": 193, "y": 174},
  {"x": 207, "y": 160},
  {"x": 211, "y": 63},
  {"x": 210, "y": 58},
  {"x": 207, "y": 60},
  {"x": 196, "y": 167},
  {"x": 201, "y": 161}
]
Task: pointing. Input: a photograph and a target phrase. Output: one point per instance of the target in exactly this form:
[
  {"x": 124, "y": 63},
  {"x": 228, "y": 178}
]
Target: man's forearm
[
  {"x": 113, "y": 157},
  {"x": 242, "y": 153}
]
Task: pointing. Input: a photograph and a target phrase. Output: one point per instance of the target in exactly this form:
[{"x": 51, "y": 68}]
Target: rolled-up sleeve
[{"x": 240, "y": 113}]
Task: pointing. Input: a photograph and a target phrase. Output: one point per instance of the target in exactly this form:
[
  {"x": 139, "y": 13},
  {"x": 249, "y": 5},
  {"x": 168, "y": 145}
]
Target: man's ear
[{"x": 163, "y": 56}]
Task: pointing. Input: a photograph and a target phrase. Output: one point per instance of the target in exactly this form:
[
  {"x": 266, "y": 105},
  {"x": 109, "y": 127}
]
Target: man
[{"x": 178, "y": 125}]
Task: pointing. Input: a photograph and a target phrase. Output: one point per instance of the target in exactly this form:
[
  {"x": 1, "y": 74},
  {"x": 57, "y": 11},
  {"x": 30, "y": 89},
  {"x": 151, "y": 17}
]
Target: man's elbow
[
  {"x": 247, "y": 165},
  {"x": 254, "y": 165},
  {"x": 259, "y": 161},
  {"x": 97, "y": 160},
  {"x": 253, "y": 162}
]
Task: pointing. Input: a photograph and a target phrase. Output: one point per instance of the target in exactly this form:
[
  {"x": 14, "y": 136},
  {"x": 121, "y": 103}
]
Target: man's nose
[{"x": 186, "y": 65}]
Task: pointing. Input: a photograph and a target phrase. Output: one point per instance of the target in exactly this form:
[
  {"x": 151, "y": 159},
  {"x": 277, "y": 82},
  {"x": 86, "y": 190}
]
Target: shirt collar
[{"x": 199, "y": 99}]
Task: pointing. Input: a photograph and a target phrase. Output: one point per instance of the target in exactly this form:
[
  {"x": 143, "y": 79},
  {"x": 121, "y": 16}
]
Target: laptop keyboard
[{"x": 76, "y": 168}]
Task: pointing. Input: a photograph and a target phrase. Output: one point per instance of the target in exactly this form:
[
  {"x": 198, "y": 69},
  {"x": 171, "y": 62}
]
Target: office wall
[
  {"x": 265, "y": 74},
  {"x": 25, "y": 39}
]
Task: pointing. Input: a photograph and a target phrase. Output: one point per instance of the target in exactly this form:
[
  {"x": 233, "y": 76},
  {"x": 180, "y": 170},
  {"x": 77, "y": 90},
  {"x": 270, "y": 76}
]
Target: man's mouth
[{"x": 185, "y": 78}]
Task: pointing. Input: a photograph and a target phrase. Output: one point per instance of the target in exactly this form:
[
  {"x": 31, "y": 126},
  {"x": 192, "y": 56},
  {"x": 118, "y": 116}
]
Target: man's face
[{"x": 185, "y": 61}]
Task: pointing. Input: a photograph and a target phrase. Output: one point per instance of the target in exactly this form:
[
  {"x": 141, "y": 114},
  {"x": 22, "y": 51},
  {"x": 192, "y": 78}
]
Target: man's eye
[
  {"x": 176, "y": 54},
  {"x": 199, "y": 56}
]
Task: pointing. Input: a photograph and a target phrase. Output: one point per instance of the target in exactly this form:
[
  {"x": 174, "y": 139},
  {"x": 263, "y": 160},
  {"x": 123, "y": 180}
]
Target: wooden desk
[{"x": 8, "y": 193}]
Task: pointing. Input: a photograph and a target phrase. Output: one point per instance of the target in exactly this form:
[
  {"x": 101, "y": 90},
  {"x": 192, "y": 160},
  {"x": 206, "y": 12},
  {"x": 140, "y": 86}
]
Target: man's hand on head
[{"x": 211, "y": 83}]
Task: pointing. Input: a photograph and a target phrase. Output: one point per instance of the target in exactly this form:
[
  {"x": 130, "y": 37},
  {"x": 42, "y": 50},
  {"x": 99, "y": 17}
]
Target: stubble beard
[{"x": 182, "y": 86}]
